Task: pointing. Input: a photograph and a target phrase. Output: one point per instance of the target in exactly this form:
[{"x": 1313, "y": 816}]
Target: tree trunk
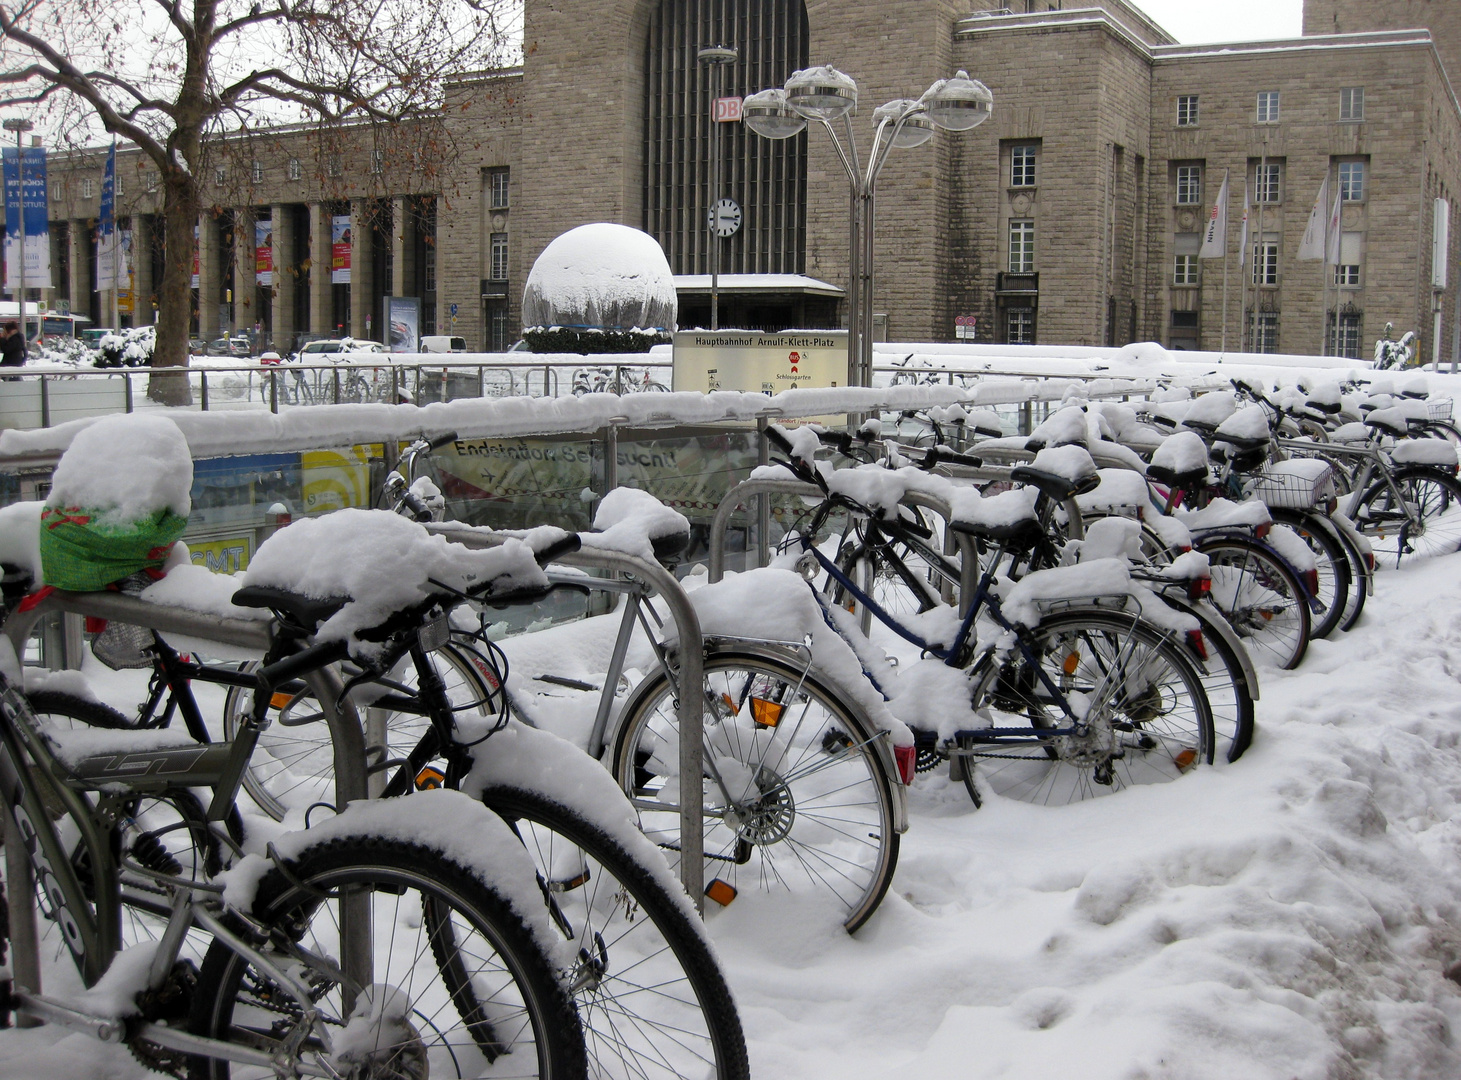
[{"x": 169, "y": 382}]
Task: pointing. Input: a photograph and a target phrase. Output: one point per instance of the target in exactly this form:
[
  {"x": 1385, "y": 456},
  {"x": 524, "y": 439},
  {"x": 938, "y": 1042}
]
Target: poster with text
[
  {"x": 340, "y": 249},
  {"x": 264, "y": 252},
  {"x": 403, "y": 321},
  {"x": 37, "y": 225}
]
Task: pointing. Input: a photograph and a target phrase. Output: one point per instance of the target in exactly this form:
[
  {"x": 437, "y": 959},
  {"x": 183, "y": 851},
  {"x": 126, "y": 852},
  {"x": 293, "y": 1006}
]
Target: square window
[
  {"x": 1266, "y": 178},
  {"x": 498, "y": 257},
  {"x": 1185, "y": 272},
  {"x": 1352, "y": 181},
  {"x": 377, "y": 161},
  {"x": 1189, "y": 185},
  {"x": 88, "y": 188},
  {"x": 1352, "y": 104},
  {"x": 1020, "y": 326},
  {"x": 332, "y": 165},
  {"x": 256, "y": 172},
  {"x": 1022, "y": 247},
  {"x": 1187, "y": 111},
  {"x": 1265, "y": 262},
  {"x": 1263, "y": 331},
  {"x": 220, "y": 176},
  {"x": 1268, "y": 106},
  {"x": 1022, "y": 166},
  {"x": 295, "y": 169},
  {"x": 150, "y": 180},
  {"x": 1347, "y": 276},
  {"x": 499, "y": 185}
]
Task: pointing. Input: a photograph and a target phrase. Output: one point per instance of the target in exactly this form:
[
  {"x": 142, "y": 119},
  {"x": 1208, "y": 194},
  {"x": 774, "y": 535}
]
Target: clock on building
[{"x": 725, "y": 217}]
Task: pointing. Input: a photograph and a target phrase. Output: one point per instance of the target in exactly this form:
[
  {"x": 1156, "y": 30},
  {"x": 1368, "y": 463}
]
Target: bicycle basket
[
  {"x": 1439, "y": 408},
  {"x": 1296, "y": 484}
]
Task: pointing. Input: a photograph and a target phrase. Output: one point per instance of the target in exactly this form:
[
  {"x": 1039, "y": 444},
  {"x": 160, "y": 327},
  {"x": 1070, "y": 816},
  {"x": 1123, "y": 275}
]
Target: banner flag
[
  {"x": 1312, "y": 246},
  {"x": 37, "y": 218},
  {"x": 1215, "y": 240}
]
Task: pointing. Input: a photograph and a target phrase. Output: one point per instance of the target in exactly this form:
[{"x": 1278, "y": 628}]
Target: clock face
[{"x": 725, "y": 217}]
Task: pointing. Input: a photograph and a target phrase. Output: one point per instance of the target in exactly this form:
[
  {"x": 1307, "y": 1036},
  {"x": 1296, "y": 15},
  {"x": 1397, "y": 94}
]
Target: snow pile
[
  {"x": 129, "y": 467},
  {"x": 604, "y": 277},
  {"x": 1249, "y": 422},
  {"x": 381, "y": 563},
  {"x": 1071, "y": 463},
  {"x": 1184, "y": 452},
  {"x": 1425, "y": 452},
  {"x": 20, "y": 536},
  {"x": 1211, "y": 408},
  {"x": 631, "y": 520}
]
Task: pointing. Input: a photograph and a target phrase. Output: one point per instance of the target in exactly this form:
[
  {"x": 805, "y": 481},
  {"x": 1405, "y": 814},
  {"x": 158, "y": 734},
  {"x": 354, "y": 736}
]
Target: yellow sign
[
  {"x": 227, "y": 556},
  {"x": 124, "y": 300},
  {"x": 332, "y": 480}
]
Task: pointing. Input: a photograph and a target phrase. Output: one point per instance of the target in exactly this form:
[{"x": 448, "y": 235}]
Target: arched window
[{"x": 768, "y": 179}]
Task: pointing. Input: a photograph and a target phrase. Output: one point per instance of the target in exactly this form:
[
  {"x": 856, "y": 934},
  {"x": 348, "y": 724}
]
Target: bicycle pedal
[{"x": 721, "y": 891}]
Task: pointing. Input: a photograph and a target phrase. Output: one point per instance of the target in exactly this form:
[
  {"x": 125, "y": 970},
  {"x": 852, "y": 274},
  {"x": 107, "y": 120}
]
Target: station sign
[{"x": 755, "y": 361}]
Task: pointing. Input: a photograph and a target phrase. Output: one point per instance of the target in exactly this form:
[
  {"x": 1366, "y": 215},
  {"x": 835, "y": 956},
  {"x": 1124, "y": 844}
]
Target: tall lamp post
[
  {"x": 20, "y": 127},
  {"x": 825, "y": 95},
  {"x": 717, "y": 57}
]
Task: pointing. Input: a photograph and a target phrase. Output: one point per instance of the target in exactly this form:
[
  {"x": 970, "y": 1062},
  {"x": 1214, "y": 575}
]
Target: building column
[
  {"x": 403, "y": 248},
  {"x": 79, "y": 262},
  {"x": 245, "y": 283},
  {"x": 321, "y": 303},
  {"x": 142, "y": 241},
  {"x": 362, "y": 290},
  {"x": 210, "y": 277},
  {"x": 285, "y": 278}
]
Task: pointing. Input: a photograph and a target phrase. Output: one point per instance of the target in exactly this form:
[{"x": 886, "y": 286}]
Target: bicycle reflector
[
  {"x": 1071, "y": 663},
  {"x": 1197, "y": 644},
  {"x": 766, "y": 713},
  {"x": 1185, "y": 760},
  {"x": 1198, "y": 587},
  {"x": 907, "y": 760},
  {"x": 1311, "y": 581},
  {"x": 280, "y": 700},
  {"x": 430, "y": 779},
  {"x": 721, "y": 891},
  {"x": 1260, "y": 531}
]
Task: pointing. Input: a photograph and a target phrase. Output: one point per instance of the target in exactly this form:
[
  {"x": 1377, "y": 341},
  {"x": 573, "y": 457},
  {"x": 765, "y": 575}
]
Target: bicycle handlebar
[
  {"x": 442, "y": 440},
  {"x": 936, "y": 455},
  {"x": 567, "y": 545}
]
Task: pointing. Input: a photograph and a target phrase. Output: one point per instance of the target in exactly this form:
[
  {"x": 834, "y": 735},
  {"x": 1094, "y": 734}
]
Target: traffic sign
[{"x": 454, "y": 310}]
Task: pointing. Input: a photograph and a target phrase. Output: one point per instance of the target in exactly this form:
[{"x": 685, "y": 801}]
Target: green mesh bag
[{"x": 79, "y": 555}]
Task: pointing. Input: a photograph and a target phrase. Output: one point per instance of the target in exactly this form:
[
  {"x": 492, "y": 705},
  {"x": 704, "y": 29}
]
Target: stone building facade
[{"x": 1074, "y": 216}]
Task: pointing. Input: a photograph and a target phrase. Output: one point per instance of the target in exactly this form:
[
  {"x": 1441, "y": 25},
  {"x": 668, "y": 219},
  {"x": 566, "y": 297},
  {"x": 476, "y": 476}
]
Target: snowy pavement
[{"x": 1287, "y": 916}]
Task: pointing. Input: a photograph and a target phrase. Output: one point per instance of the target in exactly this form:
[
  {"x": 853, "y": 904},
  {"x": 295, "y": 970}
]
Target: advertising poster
[
  {"x": 335, "y": 479},
  {"x": 264, "y": 252},
  {"x": 403, "y": 317},
  {"x": 37, "y": 224},
  {"x": 195, "y": 256},
  {"x": 340, "y": 249}
]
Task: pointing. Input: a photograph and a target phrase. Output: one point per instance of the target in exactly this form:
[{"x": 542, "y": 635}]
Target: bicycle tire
[
  {"x": 1359, "y": 566},
  {"x": 449, "y": 1029},
  {"x": 660, "y": 979},
  {"x": 1437, "y": 496},
  {"x": 1161, "y": 743},
  {"x": 791, "y": 840},
  {"x": 1335, "y": 575},
  {"x": 1261, "y": 598},
  {"x": 1231, "y": 701}
]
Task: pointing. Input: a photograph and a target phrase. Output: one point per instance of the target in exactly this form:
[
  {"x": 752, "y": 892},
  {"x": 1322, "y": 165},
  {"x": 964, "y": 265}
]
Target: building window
[
  {"x": 1189, "y": 185},
  {"x": 1022, "y": 247},
  {"x": 149, "y": 180},
  {"x": 1263, "y": 331},
  {"x": 1352, "y": 181},
  {"x": 295, "y": 170},
  {"x": 332, "y": 165},
  {"x": 88, "y": 188},
  {"x": 1344, "y": 334},
  {"x": 1352, "y": 103},
  {"x": 377, "y": 161},
  {"x": 220, "y": 176},
  {"x": 1265, "y": 262},
  {"x": 117, "y": 186},
  {"x": 1019, "y": 326},
  {"x": 1266, "y": 182},
  {"x": 1347, "y": 276},
  {"x": 1187, "y": 111},
  {"x": 1347, "y": 273},
  {"x": 498, "y": 180},
  {"x": 1022, "y": 166},
  {"x": 56, "y": 190},
  {"x": 256, "y": 172},
  {"x": 498, "y": 257},
  {"x": 428, "y": 269},
  {"x": 1268, "y": 106},
  {"x": 1186, "y": 270}
]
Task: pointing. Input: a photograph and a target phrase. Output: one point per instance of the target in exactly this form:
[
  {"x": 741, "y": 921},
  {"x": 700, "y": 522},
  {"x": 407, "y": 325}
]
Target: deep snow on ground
[{"x": 1286, "y": 916}]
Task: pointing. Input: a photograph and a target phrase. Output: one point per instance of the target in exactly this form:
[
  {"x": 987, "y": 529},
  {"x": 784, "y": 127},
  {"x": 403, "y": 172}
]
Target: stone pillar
[
  {"x": 245, "y": 284},
  {"x": 285, "y": 278},
  {"x": 362, "y": 290},
  {"x": 78, "y": 235},
  {"x": 210, "y": 258},
  {"x": 321, "y": 306},
  {"x": 403, "y": 248},
  {"x": 142, "y": 286}
]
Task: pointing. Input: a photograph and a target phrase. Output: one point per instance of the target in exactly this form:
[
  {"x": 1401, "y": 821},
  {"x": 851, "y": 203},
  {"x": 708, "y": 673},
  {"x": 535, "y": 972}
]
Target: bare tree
[{"x": 174, "y": 78}]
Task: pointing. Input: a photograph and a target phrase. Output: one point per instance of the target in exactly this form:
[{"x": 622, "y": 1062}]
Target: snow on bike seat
[
  {"x": 1436, "y": 452},
  {"x": 636, "y": 523}
]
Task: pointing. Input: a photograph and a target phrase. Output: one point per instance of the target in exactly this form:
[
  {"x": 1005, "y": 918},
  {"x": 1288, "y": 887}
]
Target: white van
[{"x": 442, "y": 343}]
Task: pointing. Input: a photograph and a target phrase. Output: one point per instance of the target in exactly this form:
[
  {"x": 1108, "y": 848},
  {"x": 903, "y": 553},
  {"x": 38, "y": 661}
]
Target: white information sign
[{"x": 751, "y": 360}]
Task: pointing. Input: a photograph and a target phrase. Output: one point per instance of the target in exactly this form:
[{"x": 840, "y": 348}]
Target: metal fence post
[
  {"x": 274, "y": 391},
  {"x": 203, "y": 395},
  {"x": 127, "y": 379},
  {"x": 45, "y": 403},
  {"x": 763, "y": 501}
]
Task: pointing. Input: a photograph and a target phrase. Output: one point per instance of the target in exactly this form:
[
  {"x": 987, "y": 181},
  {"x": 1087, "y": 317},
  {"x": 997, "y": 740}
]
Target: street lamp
[
  {"x": 717, "y": 57},
  {"x": 20, "y": 127},
  {"x": 824, "y": 94}
]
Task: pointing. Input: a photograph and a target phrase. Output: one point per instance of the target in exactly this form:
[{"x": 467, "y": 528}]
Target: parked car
[
  {"x": 197, "y": 346},
  {"x": 439, "y": 343},
  {"x": 218, "y": 347},
  {"x": 239, "y": 345},
  {"x": 315, "y": 352}
]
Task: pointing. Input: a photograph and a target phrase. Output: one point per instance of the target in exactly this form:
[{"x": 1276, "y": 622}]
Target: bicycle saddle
[
  {"x": 1389, "y": 421},
  {"x": 304, "y": 611},
  {"x": 1022, "y": 534},
  {"x": 1053, "y": 485},
  {"x": 1186, "y": 481},
  {"x": 1203, "y": 426}
]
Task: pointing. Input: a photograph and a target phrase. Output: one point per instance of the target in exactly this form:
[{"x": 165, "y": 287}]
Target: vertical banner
[
  {"x": 195, "y": 256},
  {"x": 264, "y": 252},
  {"x": 37, "y": 225},
  {"x": 106, "y": 227},
  {"x": 403, "y": 323},
  {"x": 125, "y": 270},
  {"x": 340, "y": 249}
]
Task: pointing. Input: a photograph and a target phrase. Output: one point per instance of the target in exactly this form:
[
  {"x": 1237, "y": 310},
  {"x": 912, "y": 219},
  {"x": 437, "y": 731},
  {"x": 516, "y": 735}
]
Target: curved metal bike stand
[
  {"x": 346, "y": 737},
  {"x": 692, "y": 673}
]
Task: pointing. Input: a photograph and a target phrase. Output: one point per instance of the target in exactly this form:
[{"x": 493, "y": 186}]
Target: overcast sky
[{"x": 1195, "y": 22}]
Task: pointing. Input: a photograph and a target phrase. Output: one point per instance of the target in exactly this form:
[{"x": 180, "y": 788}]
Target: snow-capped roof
[{"x": 601, "y": 276}]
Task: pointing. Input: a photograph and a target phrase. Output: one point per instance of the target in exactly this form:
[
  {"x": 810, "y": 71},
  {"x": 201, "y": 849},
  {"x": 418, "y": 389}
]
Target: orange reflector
[
  {"x": 1186, "y": 759},
  {"x": 1072, "y": 661},
  {"x": 280, "y": 700},
  {"x": 766, "y": 713},
  {"x": 722, "y": 892},
  {"x": 568, "y": 884},
  {"x": 1197, "y": 644},
  {"x": 729, "y": 704},
  {"x": 429, "y": 779},
  {"x": 1267, "y": 615}
]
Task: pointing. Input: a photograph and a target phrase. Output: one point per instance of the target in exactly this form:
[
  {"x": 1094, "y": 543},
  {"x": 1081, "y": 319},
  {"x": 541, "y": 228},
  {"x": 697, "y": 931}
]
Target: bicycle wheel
[
  {"x": 898, "y": 581},
  {"x": 1260, "y": 597},
  {"x": 459, "y": 985},
  {"x": 650, "y": 994},
  {"x": 293, "y": 765},
  {"x": 1148, "y": 719},
  {"x": 1431, "y": 496},
  {"x": 796, "y": 796},
  {"x": 1225, "y": 681},
  {"x": 1332, "y": 562}
]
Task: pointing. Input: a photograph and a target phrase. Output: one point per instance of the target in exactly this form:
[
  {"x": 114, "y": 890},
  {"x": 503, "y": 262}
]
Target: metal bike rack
[
  {"x": 344, "y": 723},
  {"x": 690, "y": 705}
]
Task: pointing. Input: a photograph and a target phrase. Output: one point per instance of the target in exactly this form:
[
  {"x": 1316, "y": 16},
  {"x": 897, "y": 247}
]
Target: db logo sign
[{"x": 795, "y": 358}]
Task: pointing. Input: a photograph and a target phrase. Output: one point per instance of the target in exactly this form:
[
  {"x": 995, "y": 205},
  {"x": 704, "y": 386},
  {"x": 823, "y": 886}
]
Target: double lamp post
[{"x": 826, "y": 96}]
